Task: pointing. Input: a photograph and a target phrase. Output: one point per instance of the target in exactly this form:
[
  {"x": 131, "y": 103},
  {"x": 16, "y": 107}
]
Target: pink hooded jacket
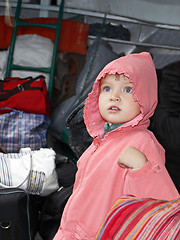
[{"x": 99, "y": 180}]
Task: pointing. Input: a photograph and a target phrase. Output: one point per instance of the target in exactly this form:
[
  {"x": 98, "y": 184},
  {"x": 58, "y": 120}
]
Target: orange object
[{"x": 73, "y": 37}]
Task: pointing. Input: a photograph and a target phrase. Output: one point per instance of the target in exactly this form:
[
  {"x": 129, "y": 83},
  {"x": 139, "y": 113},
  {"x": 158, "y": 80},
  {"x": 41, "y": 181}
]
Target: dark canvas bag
[
  {"x": 79, "y": 138},
  {"x": 52, "y": 208}
]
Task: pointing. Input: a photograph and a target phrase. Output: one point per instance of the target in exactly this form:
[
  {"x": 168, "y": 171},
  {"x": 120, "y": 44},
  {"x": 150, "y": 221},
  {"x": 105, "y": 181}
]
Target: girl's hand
[{"x": 132, "y": 158}]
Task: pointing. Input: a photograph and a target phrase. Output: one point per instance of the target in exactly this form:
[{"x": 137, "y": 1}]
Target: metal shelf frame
[{"x": 86, "y": 13}]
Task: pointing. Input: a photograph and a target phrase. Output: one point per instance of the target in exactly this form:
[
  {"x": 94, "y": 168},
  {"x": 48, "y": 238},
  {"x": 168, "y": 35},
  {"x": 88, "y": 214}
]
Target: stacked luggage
[{"x": 24, "y": 120}]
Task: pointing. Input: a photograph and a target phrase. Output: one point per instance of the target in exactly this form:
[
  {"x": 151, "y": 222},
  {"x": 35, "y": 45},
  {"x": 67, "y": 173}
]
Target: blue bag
[{"x": 19, "y": 130}]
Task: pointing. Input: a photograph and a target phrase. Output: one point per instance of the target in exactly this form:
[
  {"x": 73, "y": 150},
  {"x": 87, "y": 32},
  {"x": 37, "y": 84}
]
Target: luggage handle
[
  {"x": 18, "y": 186},
  {"x": 5, "y": 225},
  {"x": 6, "y": 94}
]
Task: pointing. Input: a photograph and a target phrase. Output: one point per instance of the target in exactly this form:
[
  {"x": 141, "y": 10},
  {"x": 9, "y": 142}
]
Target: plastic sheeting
[
  {"x": 159, "y": 11},
  {"x": 98, "y": 55},
  {"x": 163, "y": 55}
]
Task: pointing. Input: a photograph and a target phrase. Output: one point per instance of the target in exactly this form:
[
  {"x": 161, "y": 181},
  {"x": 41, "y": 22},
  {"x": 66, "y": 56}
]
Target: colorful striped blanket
[{"x": 145, "y": 219}]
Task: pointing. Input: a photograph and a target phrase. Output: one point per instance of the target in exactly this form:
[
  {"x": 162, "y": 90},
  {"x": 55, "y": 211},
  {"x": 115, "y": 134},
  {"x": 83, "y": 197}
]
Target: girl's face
[{"x": 116, "y": 104}]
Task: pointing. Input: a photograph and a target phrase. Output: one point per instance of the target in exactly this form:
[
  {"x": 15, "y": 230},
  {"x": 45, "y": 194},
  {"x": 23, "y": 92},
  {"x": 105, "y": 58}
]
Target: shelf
[{"x": 45, "y": 8}]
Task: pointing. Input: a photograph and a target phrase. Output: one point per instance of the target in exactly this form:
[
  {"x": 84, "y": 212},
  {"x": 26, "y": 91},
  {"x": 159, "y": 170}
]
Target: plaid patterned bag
[{"x": 19, "y": 130}]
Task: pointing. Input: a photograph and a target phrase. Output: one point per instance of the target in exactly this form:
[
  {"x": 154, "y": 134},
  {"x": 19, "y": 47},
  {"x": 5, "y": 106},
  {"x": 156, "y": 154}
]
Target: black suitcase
[{"x": 18, "y": 215}]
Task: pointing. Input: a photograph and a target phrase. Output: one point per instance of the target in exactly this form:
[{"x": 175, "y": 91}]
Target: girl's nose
[{"x": 115, "y": 97}]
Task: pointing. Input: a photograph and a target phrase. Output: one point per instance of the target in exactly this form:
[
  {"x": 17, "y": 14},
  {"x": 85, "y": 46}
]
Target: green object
[
  {"x": 56, "y": 27},
  {"x": 65, "y": 136},
  {"x": 109, "y": 127}
]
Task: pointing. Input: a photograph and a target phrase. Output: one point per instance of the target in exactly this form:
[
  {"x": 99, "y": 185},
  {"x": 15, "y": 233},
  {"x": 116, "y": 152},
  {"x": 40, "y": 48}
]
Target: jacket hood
[{"x": 140, "y": 70}]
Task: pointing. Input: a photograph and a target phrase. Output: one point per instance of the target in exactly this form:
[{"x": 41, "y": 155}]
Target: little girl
[{"x": 124, "y": 158}]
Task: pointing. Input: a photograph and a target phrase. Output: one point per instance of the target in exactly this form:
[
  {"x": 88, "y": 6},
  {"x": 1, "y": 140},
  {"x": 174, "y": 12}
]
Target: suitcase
[{"x": 18, "y": 215}]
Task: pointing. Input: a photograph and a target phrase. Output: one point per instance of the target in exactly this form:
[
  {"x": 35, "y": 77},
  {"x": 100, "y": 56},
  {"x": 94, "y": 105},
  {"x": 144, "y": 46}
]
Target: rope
[{"x": 8, "y": 14}]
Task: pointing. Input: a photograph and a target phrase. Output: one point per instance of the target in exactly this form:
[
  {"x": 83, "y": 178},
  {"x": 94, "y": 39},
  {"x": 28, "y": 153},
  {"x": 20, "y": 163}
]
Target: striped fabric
[
  {"x": 36, "y": 182},
  {"x": 5, "y": 176},
  {"x": 145, "y": 219},
  {"x": 5, "y": 166}
]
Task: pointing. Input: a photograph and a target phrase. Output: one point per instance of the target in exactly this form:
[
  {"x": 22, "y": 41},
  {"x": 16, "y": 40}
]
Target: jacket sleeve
[{"x": 152, "y": 180}]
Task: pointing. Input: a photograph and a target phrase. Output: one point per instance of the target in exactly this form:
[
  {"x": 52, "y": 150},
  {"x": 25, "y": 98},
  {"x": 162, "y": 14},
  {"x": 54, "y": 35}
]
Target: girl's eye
[
  {"x": 107, "y": 89},
  {"x": 128, "y": 89}
]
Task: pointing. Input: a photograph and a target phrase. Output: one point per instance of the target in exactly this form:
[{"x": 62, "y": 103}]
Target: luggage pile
[
  {"x": 27, "y": 165},
  {"x": 25, "y": 109}
]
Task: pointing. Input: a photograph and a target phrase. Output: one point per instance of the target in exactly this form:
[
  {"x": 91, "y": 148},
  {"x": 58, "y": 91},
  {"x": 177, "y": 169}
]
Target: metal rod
[
  {"x": 94, "y": 14},
  {"x": 13, "y": 39},
  {"x": 37, "y": 69},
  {"x": 30, "y": 24},
  {"x": 137, "y": 43},
  {"x": 56, "y": 44}
]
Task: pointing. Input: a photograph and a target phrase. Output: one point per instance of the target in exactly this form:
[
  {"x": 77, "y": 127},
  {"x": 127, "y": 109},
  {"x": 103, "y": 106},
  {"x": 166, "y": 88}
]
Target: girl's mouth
[{"x": 114, "y": 109}]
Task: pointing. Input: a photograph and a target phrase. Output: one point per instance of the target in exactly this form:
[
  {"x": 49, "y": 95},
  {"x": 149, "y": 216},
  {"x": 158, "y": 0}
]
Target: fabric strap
[{"x": 6, "y": 94}]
